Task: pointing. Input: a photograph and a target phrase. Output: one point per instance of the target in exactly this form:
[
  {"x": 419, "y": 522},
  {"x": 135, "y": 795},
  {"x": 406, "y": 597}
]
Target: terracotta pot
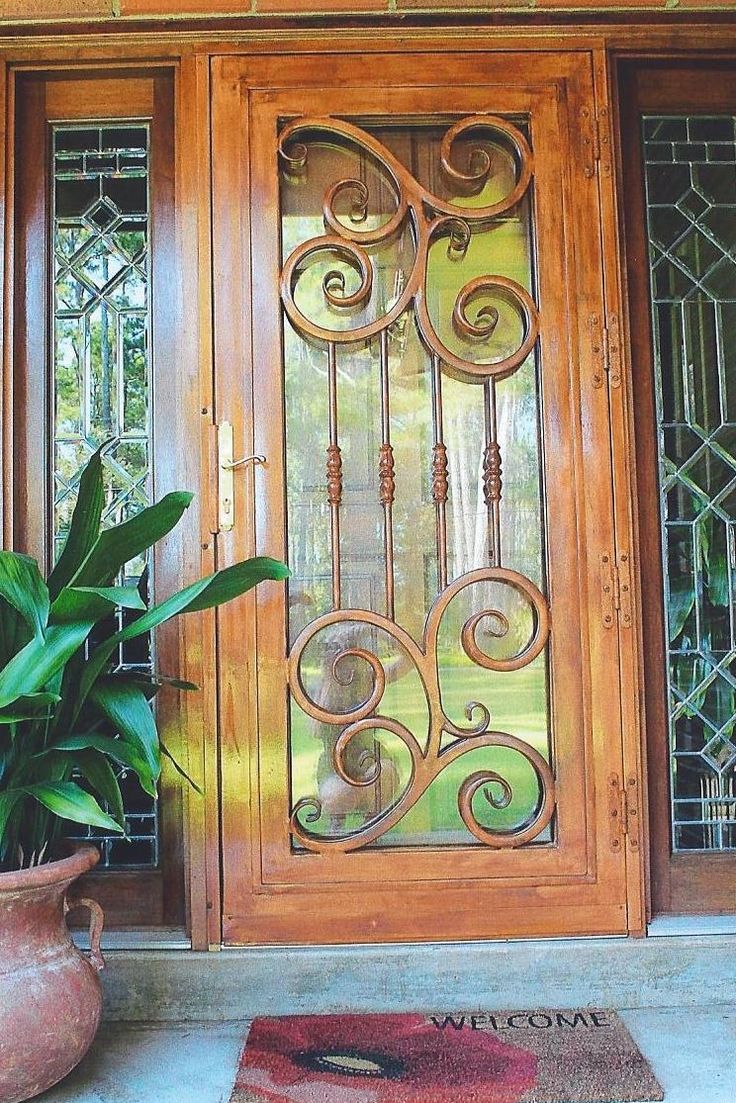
[{"x": 50, "y": 995}]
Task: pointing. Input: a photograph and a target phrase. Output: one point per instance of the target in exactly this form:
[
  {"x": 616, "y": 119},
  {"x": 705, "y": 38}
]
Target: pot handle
[{"x": 96, "y": 923}]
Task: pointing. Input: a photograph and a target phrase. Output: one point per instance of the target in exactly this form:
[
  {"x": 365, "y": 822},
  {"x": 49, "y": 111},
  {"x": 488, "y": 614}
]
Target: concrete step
[{"x": 693, "y": 971}]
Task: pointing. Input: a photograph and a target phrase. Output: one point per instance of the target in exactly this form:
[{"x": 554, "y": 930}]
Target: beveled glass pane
[
  {"x": 102, "y": 370},
  {"x": 691, "y": 213},
  {"x": 411, "y": 464}
]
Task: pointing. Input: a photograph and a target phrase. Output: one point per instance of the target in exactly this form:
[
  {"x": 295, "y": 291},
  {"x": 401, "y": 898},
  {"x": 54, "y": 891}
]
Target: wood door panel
[{"x": 272, "y": 890}]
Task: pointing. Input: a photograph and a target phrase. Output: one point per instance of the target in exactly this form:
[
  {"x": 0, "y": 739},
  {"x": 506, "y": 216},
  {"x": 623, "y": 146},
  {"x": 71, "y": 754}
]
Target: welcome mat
[{"x": 541, "y": 1056}]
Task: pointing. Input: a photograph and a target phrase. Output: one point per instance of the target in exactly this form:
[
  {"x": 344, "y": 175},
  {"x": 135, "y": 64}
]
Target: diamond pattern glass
[
  {"x": 102, "y": 369},
  {"x": 691, "y": 214}
]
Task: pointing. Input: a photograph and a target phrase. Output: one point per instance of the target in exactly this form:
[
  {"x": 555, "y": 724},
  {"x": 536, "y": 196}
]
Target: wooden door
[
  {"x": 421, "y": 735},
  {"x": 680, "y": 202}
]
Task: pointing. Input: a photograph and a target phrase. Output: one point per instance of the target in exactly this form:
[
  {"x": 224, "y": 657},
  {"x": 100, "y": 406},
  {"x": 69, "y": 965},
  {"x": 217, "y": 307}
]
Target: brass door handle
[
  {"x": 256, "y": 459},
  {"x": 227, "y": 465}
]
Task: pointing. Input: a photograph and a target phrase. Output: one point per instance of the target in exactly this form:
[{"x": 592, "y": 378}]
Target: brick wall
[{"x": 49, "y": 10}]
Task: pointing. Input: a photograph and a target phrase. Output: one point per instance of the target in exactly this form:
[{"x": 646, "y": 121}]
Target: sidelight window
[
  {"x": 101, "y": 385},
  {"x": 690, "y": 165}
]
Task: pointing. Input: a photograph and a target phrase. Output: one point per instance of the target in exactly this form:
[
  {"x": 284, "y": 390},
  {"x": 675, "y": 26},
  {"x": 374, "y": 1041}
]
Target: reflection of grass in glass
[{"x": 518, "y": 705}]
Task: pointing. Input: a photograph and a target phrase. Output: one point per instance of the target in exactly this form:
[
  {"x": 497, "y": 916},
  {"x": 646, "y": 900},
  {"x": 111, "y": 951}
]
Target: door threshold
[
  {"x": 137, "y": 938},
  {"x": 668, "y": 925}
]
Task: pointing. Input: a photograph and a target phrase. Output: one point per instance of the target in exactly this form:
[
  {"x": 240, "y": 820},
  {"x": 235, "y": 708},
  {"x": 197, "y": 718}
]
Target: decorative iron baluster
[
  {"x": 386, "y": 480},
  {"x": 492, "y": 482},
  {"x": 440, "y": 485},
  {"x": 334, "y": 477}
]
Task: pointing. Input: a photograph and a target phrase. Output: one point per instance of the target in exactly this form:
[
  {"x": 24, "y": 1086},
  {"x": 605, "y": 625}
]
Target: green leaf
[
  {"x": 127, "y": 754},
  {"x": 714, "y": 554},
  {"x": 93, "y": 602},
  {"x": 116, "y": 546},
  {"x": 681, "y": 600},
  {"x": 14, "y": 632},
  {"x": 207, "y": 593},
  {"x": 8, "y": 801},
  {"x": 85, "y": 525},
  {"x": 69, "y": 801},
  {"x": 22, "y": 586},
  {"x": 96, "y": 769},
  {"x": 180, "y": 769},
  {"x": 47, "y": 767},
  {"x": 126, "y": 708},
  {"x": 39, "y": 661},
  {"x": 29, "y": 707},
  {"x": 150, "y": 684},
  {"x": 233, "y": 581}
]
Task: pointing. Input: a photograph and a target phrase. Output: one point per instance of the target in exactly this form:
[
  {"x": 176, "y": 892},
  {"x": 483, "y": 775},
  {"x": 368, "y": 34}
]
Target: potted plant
[{"x": 67, "y": 718}]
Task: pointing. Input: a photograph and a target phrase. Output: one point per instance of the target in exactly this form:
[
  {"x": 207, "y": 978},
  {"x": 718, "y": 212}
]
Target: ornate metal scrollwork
[
  {"x": 347, "y": 244},
  {"x": 430, "y": 218},
  {"x": 426, "y": 760}
]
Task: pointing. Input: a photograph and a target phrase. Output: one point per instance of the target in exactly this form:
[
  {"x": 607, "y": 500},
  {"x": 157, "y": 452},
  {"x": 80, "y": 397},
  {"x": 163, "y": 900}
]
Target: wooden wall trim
[
  {"x": 78, "y": 48},
  {"x": 198, "y": 711},
  {"x": 624, "y": 482}
]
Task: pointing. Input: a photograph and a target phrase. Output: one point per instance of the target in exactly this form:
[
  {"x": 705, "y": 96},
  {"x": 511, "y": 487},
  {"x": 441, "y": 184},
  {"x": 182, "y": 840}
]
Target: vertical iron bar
[
  {"x": 386, "y": 477},
  {"x": 492, "y": 472},
  {"x": 439, "y": 473},
  {"x": 334, "y": 476}
]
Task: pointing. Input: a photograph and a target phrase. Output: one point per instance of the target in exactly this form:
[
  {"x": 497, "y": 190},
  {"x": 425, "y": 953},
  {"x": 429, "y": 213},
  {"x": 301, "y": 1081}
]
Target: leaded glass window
[
  {"x": 690, "y": 165},
  {"x": 102, "y": 391}
]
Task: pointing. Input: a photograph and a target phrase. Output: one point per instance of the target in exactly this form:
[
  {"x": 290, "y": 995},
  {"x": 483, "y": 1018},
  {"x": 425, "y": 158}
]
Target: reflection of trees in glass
[{"x": 102, "y": 366}]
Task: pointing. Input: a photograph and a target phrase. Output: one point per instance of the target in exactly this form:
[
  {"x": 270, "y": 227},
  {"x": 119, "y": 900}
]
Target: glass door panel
[{"x": 401, "y": 492}]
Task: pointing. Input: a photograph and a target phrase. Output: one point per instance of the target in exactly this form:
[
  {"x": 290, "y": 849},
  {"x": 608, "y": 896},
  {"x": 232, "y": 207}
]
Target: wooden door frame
[
  {"x": 678, "y": 883},
  {"x": 184, "y": 889},
  {"x": 189, "y": 48}
]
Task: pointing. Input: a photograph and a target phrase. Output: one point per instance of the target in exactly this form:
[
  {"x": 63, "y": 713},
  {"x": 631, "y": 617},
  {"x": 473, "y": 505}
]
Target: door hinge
[
  {"x": 623, "y": 589},
  {"x": 605, "y": 345},
  {"x": 596, "y": 141},
  {"x": 591, "y": 141},
  {"x": 612, "y": 350},
  {"x": 603, "y": 142},
  {"x": 623, "y": 811},
  {"x": 615, "y": 578}
]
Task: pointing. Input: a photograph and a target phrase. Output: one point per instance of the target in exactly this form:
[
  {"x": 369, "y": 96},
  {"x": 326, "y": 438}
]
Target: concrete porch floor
[
  {"x": 175, "y": 1020},
  {"x": 692, "y": 1052}
]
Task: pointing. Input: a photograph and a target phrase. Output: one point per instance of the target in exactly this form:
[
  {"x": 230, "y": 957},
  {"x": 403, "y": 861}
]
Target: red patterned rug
[{"x": 542, "y": 1056}]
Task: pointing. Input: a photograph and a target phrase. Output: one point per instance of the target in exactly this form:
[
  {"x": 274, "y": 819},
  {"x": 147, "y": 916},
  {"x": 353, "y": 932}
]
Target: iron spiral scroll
[
  {"x": 430, "y": 218},
  {"x": 427, "y": 761},
  {"x": 349, "y": 244}
]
